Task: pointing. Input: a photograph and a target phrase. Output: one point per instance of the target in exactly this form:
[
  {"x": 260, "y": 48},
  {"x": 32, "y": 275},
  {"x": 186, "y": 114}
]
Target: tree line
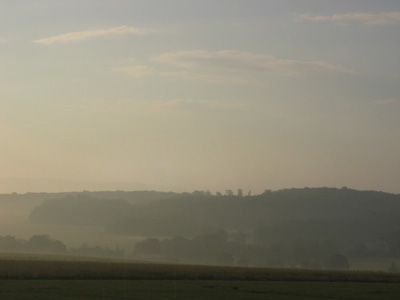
[{"x": 45, "y": 244}]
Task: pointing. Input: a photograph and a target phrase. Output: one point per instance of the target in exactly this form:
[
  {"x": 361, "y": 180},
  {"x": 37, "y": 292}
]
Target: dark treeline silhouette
[
  {"x": 29, "y": 200},
  {"x": 47, "y": 245},
  {"x": 222, "y": 249},
  {"x": 318, "y": 212},
  {"x": 276, "y": 228},
  {"x": 36, "y": 244},
  {"x": 239, "y": 249},
  {"x": 80, "y": 210}
]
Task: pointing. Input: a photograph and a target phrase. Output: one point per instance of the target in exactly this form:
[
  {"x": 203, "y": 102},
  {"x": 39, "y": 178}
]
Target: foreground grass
[
  {"x": 105, "y": 270},
  {"x": 58, "y": 277},
  {"x": 192, "y": 289}
]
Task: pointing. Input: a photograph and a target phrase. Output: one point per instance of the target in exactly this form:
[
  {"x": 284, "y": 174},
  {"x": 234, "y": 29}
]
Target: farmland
[
  {"x": 58, "y": 277},
  {"x": 199, "y": 289}
]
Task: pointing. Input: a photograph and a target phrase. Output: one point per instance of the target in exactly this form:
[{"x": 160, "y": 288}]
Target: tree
[
  {"x": 393, "y": 268},
  {"x": 336, "y": 262},
  {"x": 240, "y": 193},
  {"x": 178, "y": 247},
  {"x": 229, "y": 193},
  {"x": 43, "y": 243},
  {"x": 11, "y": 244},
  {"x": 149, "y": 246}
]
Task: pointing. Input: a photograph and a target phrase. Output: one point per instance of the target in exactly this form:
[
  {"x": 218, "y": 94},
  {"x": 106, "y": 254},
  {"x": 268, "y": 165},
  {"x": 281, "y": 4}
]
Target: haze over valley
[
  {"x": 257, "y": 133},
  {"x": 288, "y": 228}
]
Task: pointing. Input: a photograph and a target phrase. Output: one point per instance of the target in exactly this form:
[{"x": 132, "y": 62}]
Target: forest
[{"x": 306, "y": 228}]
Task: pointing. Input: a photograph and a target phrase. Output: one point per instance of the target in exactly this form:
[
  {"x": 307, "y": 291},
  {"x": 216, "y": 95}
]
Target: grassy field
[
  {"x": 32, "y": 266},
  {"x": 193, "y": 289},
  {"x": 66, "y": 277}
]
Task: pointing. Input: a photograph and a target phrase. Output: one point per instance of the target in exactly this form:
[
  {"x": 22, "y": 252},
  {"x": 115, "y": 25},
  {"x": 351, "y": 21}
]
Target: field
[
  {"x": 58, "y": 277},
  {"x": 190, "y": 289}
]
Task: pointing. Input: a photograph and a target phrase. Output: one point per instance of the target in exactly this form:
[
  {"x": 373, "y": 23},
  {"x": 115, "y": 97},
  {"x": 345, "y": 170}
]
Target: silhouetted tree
[
  {"x": 11, "y": 244},
  {"x": 336, "y": 262},
  {"x": 43, "y": 243},
  {"x": 229, "y": 192},
  {"x": 148, "y": 246},
  {"x": 393, "y": 268}
]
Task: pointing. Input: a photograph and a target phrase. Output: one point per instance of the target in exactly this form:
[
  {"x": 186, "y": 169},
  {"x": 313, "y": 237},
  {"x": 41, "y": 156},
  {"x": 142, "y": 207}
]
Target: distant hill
[
  {"x": 24, "y": 203},
  {"x": 130, "y": 196},
  {"x": 322, "y": 211}
]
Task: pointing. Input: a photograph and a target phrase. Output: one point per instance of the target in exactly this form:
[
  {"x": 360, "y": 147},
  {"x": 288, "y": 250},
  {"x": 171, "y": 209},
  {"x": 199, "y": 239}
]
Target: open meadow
[
  {"x": 58, "y": 277},
  {"x": 193, "y": 289}
]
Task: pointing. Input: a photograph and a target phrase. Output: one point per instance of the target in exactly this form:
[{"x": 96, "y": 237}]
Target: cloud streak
[
  {"x": 174, "y": 106},
  {"x": 90, "y": 34},
  {"x": 387, "y": 101},
  {"x": 236, "y": 61},
  {"x": 227, "y": 66},
  {"x": 378, "y": 19},
  {"x": 188, "y": 105},
  {"x": 143, "y": 71},
  {"x": 139, "y": 71}
]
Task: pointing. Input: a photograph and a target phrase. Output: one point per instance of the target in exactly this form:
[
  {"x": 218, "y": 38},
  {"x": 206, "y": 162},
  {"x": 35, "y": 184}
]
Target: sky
[{"x": 199, "y": 95}]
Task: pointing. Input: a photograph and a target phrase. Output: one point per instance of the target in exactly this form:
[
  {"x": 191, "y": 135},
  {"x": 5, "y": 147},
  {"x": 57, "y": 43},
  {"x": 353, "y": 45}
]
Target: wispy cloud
[
  {"x": 139, "y": 71},
  {"x": 175, "y": 106},
  {"x": 387, "y": 101},
  {"x": 188, "y": 105},
  {"x": 89, "y": 34},
  {"x": 236, "y": 61},
  {"x": 142, "y": 71},
  {"x": 364, "y": 18},
  {"x": 228, "y": 66}
]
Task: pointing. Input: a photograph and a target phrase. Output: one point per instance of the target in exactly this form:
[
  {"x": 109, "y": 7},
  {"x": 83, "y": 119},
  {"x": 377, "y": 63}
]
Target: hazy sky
[{"x": 210, "y": 95}]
